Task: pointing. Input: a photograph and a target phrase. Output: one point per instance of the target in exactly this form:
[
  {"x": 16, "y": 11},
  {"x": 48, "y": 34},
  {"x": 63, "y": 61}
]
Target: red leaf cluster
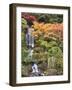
[{"x": 28, "y": 17}]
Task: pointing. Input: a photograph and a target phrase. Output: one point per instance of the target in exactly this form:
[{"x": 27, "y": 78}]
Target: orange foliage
[{"x": 40, "y": 28}]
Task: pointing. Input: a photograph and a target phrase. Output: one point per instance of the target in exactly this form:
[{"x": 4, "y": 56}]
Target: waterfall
[{"x": 30, "y": 41}]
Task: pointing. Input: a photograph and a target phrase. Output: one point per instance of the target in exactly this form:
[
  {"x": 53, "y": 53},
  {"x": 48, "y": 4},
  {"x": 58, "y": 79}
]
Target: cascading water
[{"x": 30, "y": 41}]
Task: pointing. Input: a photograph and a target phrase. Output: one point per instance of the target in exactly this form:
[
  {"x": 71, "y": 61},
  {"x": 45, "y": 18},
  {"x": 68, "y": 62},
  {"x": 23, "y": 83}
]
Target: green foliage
[
  {"x": 43, "y": 43},
  {"x": 49, "y": 18},
  {"x": 61, "y": 45},
  {"x": 23, "y": 23},
  {"x": 55, "y": 51},
  {"x": 41, "y": 56},
  {"x": 52, "y": 18},
  {"x": 47, "y": 44},
  {"x": 59, "y": 64},
  {"x": 24, "y": 53},
  {"x": 23, "y": 44}
]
